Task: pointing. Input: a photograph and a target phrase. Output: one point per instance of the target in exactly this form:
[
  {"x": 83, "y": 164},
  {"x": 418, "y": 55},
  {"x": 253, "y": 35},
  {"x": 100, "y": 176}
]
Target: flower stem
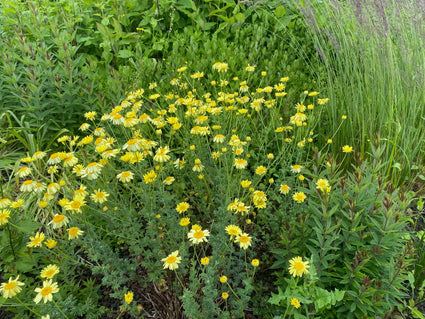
[{"x": 60, "y": 310}]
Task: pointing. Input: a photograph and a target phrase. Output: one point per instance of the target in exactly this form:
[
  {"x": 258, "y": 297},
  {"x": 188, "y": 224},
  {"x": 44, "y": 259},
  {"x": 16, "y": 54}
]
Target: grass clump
[{"x": 373, "y": 53}]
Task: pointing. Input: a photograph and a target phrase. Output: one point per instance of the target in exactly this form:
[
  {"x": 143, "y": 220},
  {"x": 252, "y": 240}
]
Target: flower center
[
  {"x": 132, "y": 141},
  {"x": 75, "y": 205},
  {"x": 299, "y": 266},
  {"x": 171, "y": 259},
  {"x": 29, "y": 182},
  {"x": 50, "y": 273},
  {"x": 125, "y": 174},
  {"x": 244, "y": 239},
  {"x": 73, "y": 231},
  {"x": 9, "y": 286},
  {"x": 58, "y": 218},
  {"x": 46, "y": 291},
  {"x": 198, "y": 234}
]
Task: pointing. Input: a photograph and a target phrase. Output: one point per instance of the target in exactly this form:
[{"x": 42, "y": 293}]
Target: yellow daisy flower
[
  {"x": 298, "y": 267},
  {"x": 171, "y": 261},
  {"x": 46, "y": 293},
  {"x": 11, "y": 288}
]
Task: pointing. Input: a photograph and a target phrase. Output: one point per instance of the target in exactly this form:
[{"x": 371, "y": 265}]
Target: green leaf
[
  {"x": 416, "y": 313},
  {"x": 280, "y": 11},
  {"x": 125, "y": 54},
  {"x": 275, "y": 299},
  {"x": 27, "y": 226}
]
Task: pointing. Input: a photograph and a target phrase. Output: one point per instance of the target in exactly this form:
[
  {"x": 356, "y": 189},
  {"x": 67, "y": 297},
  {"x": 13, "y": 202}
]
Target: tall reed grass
[{"x": 373, "y": 52}]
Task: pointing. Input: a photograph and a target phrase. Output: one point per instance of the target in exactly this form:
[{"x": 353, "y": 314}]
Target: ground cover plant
[
  {"x": 213, "y": 189},
  {"x": 189, "y": 187}
]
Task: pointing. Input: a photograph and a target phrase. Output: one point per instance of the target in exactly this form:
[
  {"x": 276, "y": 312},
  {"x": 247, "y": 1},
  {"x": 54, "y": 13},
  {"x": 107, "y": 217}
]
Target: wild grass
[{"x": 374, "y": 73}]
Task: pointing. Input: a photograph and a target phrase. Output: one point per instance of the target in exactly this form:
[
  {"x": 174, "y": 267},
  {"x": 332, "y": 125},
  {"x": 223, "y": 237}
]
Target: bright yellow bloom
[
  {"x": 205, "y": 261},
  {"x": 284, "y": 189},
  {"x": 298, "y": 267},
  {"x": 28, "y": 186},
  {"x": 299, "y": 197},
  {"x": 75, "y": 205},
  {"x": 322, "y": 184},
  {"x": 23, "y": 172},
  {"x": 5, "y": 202},
  {"x": 171, "y": 261},
  {"x": 169, "y": 180},
  {"x": 240, "y": 163},
  {"x": 128, "y": 297},
  {"x": 255, "y": 262},
  {"x": 11, "y": 288},
  {"x": 245, "y": 183},
  {"x": 4, "y": 215},
  {"x": 182, "y": 207},
  {"x": 223, "y": 279},
  {"x": 233, "y": 230},
  {"x": 49, "y": 271},
  {"x": 50, "y": 243},
  {"x": 37, "y": 240},
  {"x": 260, "y": 170},
  {"x": 224, "y": 295},
  {"x": 244, "y": 240},
  {"x": 125, "y": 177},
  {"x": 74, "y": 232},
  {"x": 99, "y": 196},
  {"x": 17, "y": 203},
  {"x": 197, "y": 235},
  {"x": 161, "y": 154},
  {"x": 296, "y": 168},
  {"x": 347, "y": 149},
  {"x": 59, "y": 221},
  {"x": 295, "y": 302},
  {"x": 150, "y": 177},
  {"x": 46, "y": 292},
  {"x": 184, "y": 221}
]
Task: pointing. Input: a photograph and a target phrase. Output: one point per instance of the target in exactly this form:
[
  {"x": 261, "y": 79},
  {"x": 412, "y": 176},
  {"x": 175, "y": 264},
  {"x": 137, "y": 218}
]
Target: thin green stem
[
  {"x": 28, "y": 308},
  {"x": 59, "y": 309}
]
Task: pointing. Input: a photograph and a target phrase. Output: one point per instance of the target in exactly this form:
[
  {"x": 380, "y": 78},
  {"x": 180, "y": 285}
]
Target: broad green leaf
[
  {"x": 280, "y": 11},
  {"x": 27, "y": 226}
]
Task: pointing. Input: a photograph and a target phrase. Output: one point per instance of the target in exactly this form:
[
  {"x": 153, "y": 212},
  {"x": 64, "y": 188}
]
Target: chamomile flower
[
  {"x": 5, "y": 202},
  {"x": 99, "y": 196},
  {"x": 172, "y": 260},
  {"x": 74, "y": 232},
  {"x": 125, "y": 177},
  {"x": 284, "y": 189},
  {"x": 49, "y": 271},
  {"x": 244, "y": 240},
  {"x": 197, "y": 235},
  {"x": 59, "y": 220},
  {"x": 23, "y": 172},
  {"x": 46, "y": 293},
  {"x": 36, "y": 241},
  {"x": 4, "y": 216},
  {"x": 233, "y": 230},
  {"x": 11, "y": 288}
]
